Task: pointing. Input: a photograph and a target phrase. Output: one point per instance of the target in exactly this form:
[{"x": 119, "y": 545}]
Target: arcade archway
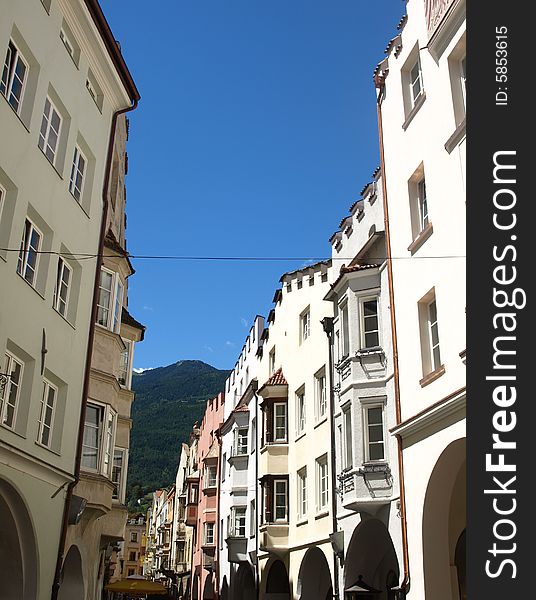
[
  {"x": 314, "y": 578},
  {"x": 72, "y": 577}
]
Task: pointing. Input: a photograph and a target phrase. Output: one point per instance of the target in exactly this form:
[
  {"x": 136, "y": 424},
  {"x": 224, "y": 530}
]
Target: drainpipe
[
  {"x": 218, "y": 521},
  {"x": 327, "y": 324},
  {"x": 405, "y": 585},
  {"x": 91, "y": 337},
  {"x": 257, "y": 582}
]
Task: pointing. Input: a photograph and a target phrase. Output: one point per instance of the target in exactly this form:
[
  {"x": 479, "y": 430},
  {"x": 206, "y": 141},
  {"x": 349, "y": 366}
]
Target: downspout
[
  {"x": 89, "y": 353},
  {"x": 218, "y": 521},
  {"x": 327, "y": 324},
  {"x": 405, "y": 585},
  {"x": 257, "y": 582}
]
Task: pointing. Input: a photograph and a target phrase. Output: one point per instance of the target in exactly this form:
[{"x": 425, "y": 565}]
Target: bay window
[
  {"x": 211, "y": 476},
  {"x": 119, "y": 474},
  {"x": 374, "y": 433},
  {"x": 238, "y": 521},
  {"x": 370, "y": 331},
  {"x": 98, "y": 440},
  {"x": 275, "y": 500},
  {"x": 240, "y": 441},
  {"x": 110, "y": 301}
]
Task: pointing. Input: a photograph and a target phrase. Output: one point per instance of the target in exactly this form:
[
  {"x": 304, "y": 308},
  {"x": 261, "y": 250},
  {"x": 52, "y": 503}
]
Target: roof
[
  {"x": 304, "y": 269},
  {"x": 352, "y": 269},
  {"x": 113, "y": 48},
  {"x": 277, "y": 378},
  {"x": 128, "y": 319}
]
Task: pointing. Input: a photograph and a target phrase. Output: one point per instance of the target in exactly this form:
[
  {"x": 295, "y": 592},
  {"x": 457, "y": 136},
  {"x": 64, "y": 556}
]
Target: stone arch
[
  {"x": 244, "y": 587},
  {"x": 371, "y": 559},
  {"x": 275, "y": 580},
  {"x": 195, "y": 587},
  {"x": 18, "y": 552},
  {"x": 443, "y": 526},
  {"x": 72, "y": 576},
  {"x": 208, "y": 588},
  {"x": 314, "y": 577}
]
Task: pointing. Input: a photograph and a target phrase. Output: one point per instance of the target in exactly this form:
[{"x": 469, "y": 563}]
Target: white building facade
[{"x": 421, "y": 103}]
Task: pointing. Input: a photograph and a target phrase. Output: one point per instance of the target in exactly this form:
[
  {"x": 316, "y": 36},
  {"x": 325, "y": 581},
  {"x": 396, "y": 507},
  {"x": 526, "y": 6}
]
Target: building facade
[
  {"x": 131, "y": 551},
  {"x": 421, "y": 107},
  {"x": 63, "y": 84}
]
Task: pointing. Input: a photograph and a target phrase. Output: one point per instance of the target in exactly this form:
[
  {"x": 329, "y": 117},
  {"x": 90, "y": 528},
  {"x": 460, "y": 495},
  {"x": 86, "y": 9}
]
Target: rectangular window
[
  {"x": 125, "y": 363},
  {"x": 118, "y": 304},
  {"x": 132, "y": 556},
  {"x": 211, "y": 476},
  {"x": 109, "y": 432},
  {"x": 118, "y": 476},
  {"x": 49, "y": 133},
  {"x": 302, "y": 493},
  {"x": 241, "y": 442},
  {"x": 321, "y": 397},
  {"x": 271, "y": 360},
  {"x": 280, "y": 500},
  {"x": 63, "y": 286},
  {"x": 463, "y": 80},
  {"x": 253, "y": 435},
  {"x": 194, "y": 494},
  {"x": 322, "y": 483},
  {"x": 239, "y": 521},
  {"x": 433, "y": 333},
  {"x": 345, "y": 329},
  {"x": 209, "y": 534},
  {"x": 422, "y": 204},
  {"x": 370, "y": 332},
  {"x": 415, "y": 82},
  {"x": 110, "y": 302},
  {"x": 29, "y": 252},
  {"x": 10, "y": 393},
  {"x": 46, "y": 416},
  {"x": 2, "y": 199},
  {"x": 374, "y": 436},
  {"x": 305, "y": 325},
  {"x": 252, "y": 518},
  {"x": 347, "y": 437},
  {"x": 300, "y": 411},
  {"x": 223, "y": 463},
  {"x": 134, "y": 536},
  {"x": 280, "y": 422},
  {"x": 78, "y": 172},
  {"x": 73, "y": 49},
  {"x": 98, "y": 440},
  {"x": 14, "y": 76}
]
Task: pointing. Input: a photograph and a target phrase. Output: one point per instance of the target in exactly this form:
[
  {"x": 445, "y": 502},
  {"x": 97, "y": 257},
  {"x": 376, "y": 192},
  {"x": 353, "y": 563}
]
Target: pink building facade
[{"x": 202, "y": 510}]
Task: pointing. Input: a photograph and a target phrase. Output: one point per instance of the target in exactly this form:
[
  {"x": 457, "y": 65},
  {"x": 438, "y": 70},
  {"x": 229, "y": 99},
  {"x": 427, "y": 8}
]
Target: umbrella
[{"x": 136, "y": 587}]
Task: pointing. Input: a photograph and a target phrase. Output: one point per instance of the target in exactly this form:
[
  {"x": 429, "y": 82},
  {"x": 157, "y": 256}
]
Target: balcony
[
  {"x": 237, "y": 549},
  {"x": 191, "y": 514},
  {"x": 368, "y": 487},
  {"x": 273, "y": 537},
  {"x": 366, "y": 364}
]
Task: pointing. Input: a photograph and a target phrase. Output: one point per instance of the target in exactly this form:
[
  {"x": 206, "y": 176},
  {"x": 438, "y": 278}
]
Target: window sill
[
  {"x": 269, "y": 444},
  {"x": 416, "y": 107},
  {"x": 300, "y": 435},
  {"x": 456, "y": 137},
  {"x": 302, "y": 521},
  {"x": 16, "y": 113},
  {"x": 79, "y": 202},
  {"x": 421, "y": 238},
  {"x": 321, "y": 421},
  {"x": 64, "y": 318},
  {"x": 323, "y": 513},
  {"x": 31, "y": 286},
  {"x": 37, "y": 443},
  {"x": 427, "y": 379},
  {"x": 51, "y": 164}
]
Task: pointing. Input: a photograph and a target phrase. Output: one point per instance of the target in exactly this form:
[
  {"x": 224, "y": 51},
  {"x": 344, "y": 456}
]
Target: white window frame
[
  {"x": 44, "y": 138},
  {"x": 211, "y": 481},
  {"x": 462, "y": 66},
  {"x": 276, "y": 427},
  {"x": 45, "y": 405},
  {"x": 76, "y": 189},
  {"x": 321, "y": 400},
  {"x": 305, "y": 324},
  {"x": 238, "y": 521},
  {"x": 253, "y": 437},
  {"x": 120, "y": 484},
  {"x": 63, "y": 267},
  {"x": 344, "y": 326},
  {"x": 105, "y": 440},
  {"x": 275, "y": 519},
  {"x": 126, "y": 380},
  {"x": 2, "y": 200},
  {"x": 422, "y": 205},
  {"x": 301, "y": 411},
  {"x": 431, "y": 326},
  {"x": 414, "y": 80},
  {"x": 363, "y": 320},
  {"x": 9, "y": 71},
  {"x": 114, "y": 306},
  {"x": 9, "y": 361},
  {"x": 322, "y": 483},
  {"x": 240, "y": 442},
  {"x": 209, "y": 540},
  {"x": 347, "y": 437},
  {"x": 23, "y": 263},
  {"x": 271, "y": 361},
  {"x": 301, "y": 495},
  {"x": 366, "y": 426},
  {"x": 252, "y": 518}
]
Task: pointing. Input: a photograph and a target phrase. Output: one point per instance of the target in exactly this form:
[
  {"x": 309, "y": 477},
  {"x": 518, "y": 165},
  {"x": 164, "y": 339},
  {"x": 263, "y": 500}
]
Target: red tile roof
[
  {"x": 277, "y": 378},
  {"x": 352, "y": 269}
]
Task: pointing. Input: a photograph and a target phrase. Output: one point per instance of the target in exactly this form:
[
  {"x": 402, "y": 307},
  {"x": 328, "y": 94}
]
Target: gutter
[
  {"x": 405, "y": 585},
  {"x": 78, "y": 458},
  {"x": 327, "y": 324}
]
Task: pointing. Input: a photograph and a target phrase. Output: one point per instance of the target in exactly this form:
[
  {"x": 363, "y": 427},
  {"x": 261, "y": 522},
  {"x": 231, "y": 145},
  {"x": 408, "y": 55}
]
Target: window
[
  {"x": 46, "y": 416},
  {"x": 97, "y": 444},
  {"x": 422, "y": 204},
  {"x": 29, "y": 252},
  {"x": 321, "y": 483},
  {"x": 253, "y": 444},
  {"x": 2, "y": 199},
  {"x": 10, "y": 394},
  {"x": 462, "y": 65},
  {"x": 252, "y": 518},
  {"x": 415, "y": 82},
  {"x": 73, "y": 49},
  {"x": 433, "y": 334},
  {"x": 125, "y": 362},
  {"x": 132, "y": 556},
  {"x": 14, "y": 75},
  {"x": 421, "y": 225},
  {"x": 94, "y": 90},
  {"x": 320, "y": 392},
  {"x": 131, "y": 572},
  {"x": 223, "y": 463},
  {"x": 134, "y": 536},
  {"x": 119, "y": 476},
  {"x": 370, "y": 333},
  {"x": 110, "y": 299},
  {"x": 194, "y": 494},
  {"x": 78, "y": 172},
  {"x": 271, "y": 360},
  {"x": 209, "y": 534},
  {"x": 238, "y": 520},
  {"x": 302, "y": 493},
  {"x": 345, "y": 332},
  {"x": 374, "y": 437},
  {"x": 240, "y": 442},
  {"x": 305, "y": 325},
  {"x": 347, "y": 437},
  {"x": 210, "y": 476},
  {"x": 50, "y": 131},
  {"x": 63, "y": 286},
  {"x": 280, "y": 500},
  {"x": 280, "y": 422},
  {"x": 300, "y": 411}
]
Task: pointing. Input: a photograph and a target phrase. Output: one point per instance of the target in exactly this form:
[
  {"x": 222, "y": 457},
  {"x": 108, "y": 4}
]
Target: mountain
[{"x": 168, "y": 402}]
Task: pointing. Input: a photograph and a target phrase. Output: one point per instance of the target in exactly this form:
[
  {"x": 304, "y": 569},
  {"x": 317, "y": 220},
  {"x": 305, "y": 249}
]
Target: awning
[{"x": 136, "y": 587}]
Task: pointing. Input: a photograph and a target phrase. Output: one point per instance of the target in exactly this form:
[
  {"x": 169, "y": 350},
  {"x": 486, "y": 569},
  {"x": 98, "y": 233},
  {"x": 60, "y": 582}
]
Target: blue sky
[{"x": 255, "y": 132}]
